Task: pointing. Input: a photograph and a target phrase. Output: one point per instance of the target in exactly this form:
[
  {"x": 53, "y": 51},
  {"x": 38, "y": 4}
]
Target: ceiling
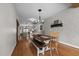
[{"x": 30, "y": 10}]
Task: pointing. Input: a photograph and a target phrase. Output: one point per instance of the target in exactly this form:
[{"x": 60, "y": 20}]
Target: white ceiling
[{"x": 30, "y": 10}]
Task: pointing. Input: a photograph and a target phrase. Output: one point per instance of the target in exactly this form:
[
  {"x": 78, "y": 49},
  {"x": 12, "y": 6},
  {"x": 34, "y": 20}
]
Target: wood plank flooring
[
  {"x": 25, "y": 48},
  {"x": 65, "y": 50}
]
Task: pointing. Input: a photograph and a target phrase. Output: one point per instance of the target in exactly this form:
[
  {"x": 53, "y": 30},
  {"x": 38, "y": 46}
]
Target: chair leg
[
  {"x": 50, "y": 48},
  {"x": 38, "y": 52},
  {"x": 57, "y": 48},
  {"x": 57, "y": 52},
  {"x": 43, "y": 51}
]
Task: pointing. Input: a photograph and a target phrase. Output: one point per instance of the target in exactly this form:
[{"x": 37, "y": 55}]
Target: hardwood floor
[
  {"x": 65, "y": 50},
  {"x": 25, "y": 48}
]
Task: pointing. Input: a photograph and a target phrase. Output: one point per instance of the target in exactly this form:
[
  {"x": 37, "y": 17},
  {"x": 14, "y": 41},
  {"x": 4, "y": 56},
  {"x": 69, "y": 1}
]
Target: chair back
[{"x": 55, "y": 35}]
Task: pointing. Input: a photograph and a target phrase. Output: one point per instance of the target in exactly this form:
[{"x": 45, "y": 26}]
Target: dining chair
[{"x": 54, "y": 41}]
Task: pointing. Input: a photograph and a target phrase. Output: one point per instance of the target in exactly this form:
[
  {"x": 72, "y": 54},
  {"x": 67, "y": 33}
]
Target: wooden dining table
[{"x": 39, "y": 40}]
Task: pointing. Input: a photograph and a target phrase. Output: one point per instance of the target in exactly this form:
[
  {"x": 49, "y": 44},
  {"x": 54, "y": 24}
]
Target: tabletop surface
[
  {"x": 42, "y": 37},
  {"x": 39, "y": 40}
]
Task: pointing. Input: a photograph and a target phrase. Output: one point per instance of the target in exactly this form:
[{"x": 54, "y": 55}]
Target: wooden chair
[{"x": 54, "y": 41}]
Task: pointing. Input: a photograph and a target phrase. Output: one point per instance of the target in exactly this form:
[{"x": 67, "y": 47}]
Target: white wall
[
  {"x": 69, "y": 33},
  {"x": 7, "y": 29}
]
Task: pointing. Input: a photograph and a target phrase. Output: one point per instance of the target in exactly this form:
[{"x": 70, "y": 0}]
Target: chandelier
[{"x": 40, "y": 19}]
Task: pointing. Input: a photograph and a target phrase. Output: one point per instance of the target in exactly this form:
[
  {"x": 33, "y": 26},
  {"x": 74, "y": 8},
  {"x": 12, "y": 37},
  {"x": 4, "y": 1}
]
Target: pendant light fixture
[{"x": 40, "y": 19}]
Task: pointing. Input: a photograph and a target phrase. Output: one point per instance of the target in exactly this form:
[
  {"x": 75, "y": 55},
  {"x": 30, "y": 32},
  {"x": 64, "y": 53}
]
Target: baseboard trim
[{"x": 74, "y": 46}]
